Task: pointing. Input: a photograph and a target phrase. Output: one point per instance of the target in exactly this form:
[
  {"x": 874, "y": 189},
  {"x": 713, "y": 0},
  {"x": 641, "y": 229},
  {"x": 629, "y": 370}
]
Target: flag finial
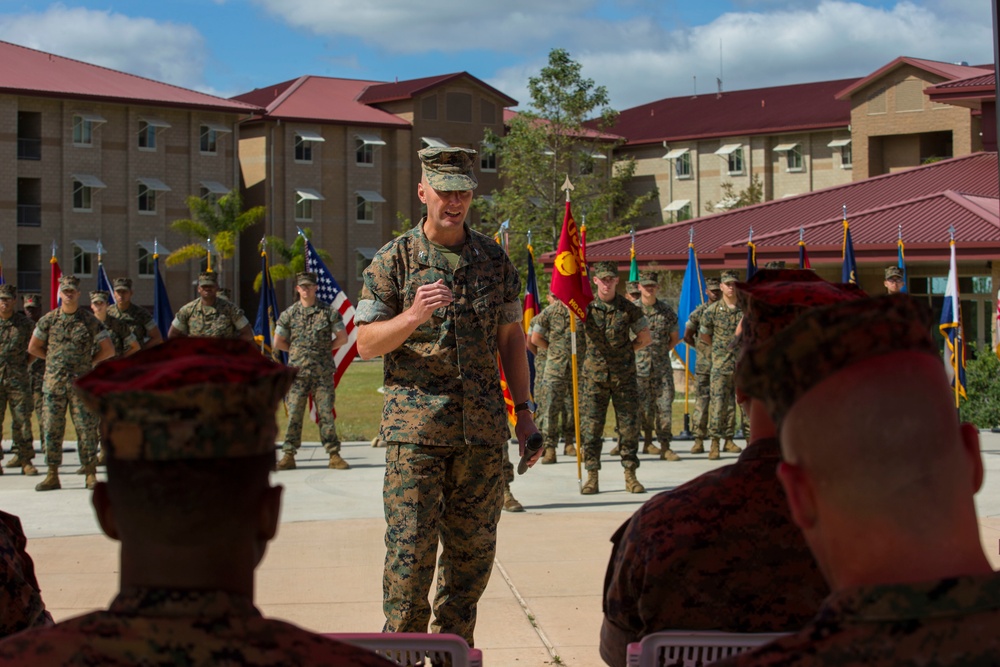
[
  {"x": 844, "y": 209},
  {"x": 951, "y": 232},
  {"x": 802, "y": 233},
  {"x": 691, "y": 235},
  {"x": 567, "y": 186}
]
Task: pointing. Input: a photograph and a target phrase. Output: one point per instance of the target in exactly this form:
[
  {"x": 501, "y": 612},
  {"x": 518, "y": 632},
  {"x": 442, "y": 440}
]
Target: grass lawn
[{"x": 359, "y": 408}]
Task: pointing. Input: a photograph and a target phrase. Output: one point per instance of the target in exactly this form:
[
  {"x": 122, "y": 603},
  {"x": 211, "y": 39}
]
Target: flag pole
[
  {"x": 959, "y": 343},
  {"x": 568, "y": 188}
]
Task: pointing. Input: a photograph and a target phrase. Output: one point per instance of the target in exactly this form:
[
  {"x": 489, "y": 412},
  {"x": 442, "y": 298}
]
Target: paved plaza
[{"x": 323, "y": 571}]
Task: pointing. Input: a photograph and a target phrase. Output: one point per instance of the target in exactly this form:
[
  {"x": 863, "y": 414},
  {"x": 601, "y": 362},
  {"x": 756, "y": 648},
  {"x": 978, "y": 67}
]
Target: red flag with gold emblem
[{"x": 570, "y": 283}]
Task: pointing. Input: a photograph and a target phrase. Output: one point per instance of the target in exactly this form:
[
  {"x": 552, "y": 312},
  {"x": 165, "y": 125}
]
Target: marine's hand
[
  {"x": 524, "y": 429},
  {"x": 429, "y": 298}
]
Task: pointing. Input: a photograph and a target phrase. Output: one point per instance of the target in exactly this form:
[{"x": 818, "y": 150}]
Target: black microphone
[{"x": 531, "y": 448}]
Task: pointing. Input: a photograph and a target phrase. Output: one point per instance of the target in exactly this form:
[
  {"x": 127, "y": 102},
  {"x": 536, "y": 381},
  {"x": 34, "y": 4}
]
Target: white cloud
[
  {"x": 160, "y": 50},
  {"x": 833, "y": 39}
]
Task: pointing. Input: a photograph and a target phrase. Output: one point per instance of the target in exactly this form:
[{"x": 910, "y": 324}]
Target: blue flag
[
  {"x": 163, "y": 314},
  {"x": 849, "y": 272},
  {"x": 103, "y": 284},
  {"x": 692, "y": 296},
  {"x": 751, "y": 259},
  {"x": 951, "y": 329},
  {"x": 267, "y": 313}
]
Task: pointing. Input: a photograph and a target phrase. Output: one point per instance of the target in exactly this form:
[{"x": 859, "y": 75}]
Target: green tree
[
  {"x": 221, "y": 222},
  {"x": 982, "y": 386},
  {"x": 562, "y": 133},
  {"x": 292, "y": 256},
  {"x": 732, "y": 199}
]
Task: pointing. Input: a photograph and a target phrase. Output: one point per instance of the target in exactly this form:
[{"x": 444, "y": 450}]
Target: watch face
[{"x": 530, "y": 405}]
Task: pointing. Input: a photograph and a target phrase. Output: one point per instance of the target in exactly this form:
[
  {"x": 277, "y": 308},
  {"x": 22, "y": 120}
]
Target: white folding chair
[
  {"x": 414, "y": 648},
  {"x": 684, "y": 648}
]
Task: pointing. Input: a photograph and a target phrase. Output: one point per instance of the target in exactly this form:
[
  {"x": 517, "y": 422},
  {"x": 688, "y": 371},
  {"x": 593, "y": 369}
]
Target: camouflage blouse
[
  {"x": 310, "y": 332},
  {"x": 719, "y": 321},
  {"x": 15, "y": 333},
  {"x": 70, "y": 342},
  {"x": 654, "y": 359},
  {"x": 610, "y": 329},
  {"x": 223, "y": 320}
]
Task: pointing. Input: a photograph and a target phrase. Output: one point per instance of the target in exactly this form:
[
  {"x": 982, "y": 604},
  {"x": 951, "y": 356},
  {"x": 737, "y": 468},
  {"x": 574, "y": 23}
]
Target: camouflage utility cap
[
  {"x": 775, "y": 264},
  {"x": 893, "y": 272},
  {"x": 305, "y": 278},
  {"x": 712, "y": 284},
  {"x": 648, "y": 278},
  {"x": 207, "y": 278},
  {"x": 122, "y": 283},
  {"x": 605, "y": 270},
  {"x": 100, "y": 296},
  {"x": 190, "y": 398},
  {"x": 829, "y": 339},
  {"x": 69, "y": 282},
  {"x": 8, "y": 291},
  {"x": 632, "y": 287},
  {"x": 32, "y": 300},
  {"x": 729, "y": 277},
  {"x": 449, "y": 169}
]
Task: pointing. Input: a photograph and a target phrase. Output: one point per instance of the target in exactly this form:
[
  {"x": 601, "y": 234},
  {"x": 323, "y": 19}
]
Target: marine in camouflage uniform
[
  {"x": 552, "y": 329},
  {"x": 15, "y": 385},
  {"x": 21, "y": 605},
  {"x": 439, "y": 302},
  {"x": 36, "y": 366},
  {"x": 655, "y": 370},
  {"x": 143, "y": 325},
  {"x": 703, "y": 366},
  {"x": 310, "y": 331},
  {"x": 210, "y": 315},
  {"x": 191, "y": 432},
  {"x": 66, "y": 339},
  {"x": 718, "y": 328},
  {"x": 121, "y": 333},
  {"x": 609, "y": 375}
]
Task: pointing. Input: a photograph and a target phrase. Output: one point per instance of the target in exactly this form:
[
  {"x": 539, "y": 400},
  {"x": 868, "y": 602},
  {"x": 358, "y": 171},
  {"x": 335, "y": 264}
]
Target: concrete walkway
[{"x": 324, "y": 570}]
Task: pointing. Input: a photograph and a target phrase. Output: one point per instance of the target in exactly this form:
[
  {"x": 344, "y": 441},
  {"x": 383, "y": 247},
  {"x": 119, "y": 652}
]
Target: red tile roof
[
  {"x": 925, "y": 200},
  {"x": 794, "y": 108},
  {"x": 949, "y": 71},
  {"x": 585, "y": 132},
  {"x": 320, "y": 99},
  {"x": 404, "y": 90},
  {"x": 970, "y": 91},
  {"x": 29, "y": 72}
]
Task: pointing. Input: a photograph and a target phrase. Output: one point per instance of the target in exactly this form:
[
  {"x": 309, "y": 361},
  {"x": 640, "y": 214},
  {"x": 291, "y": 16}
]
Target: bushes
[{"x": 982, "y": 379}]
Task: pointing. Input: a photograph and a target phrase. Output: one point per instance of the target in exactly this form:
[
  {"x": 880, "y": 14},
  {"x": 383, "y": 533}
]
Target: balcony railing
[
  {"x": 29, "y": 149},
  {"x": 29, "y": 215},
  {"x": 29, "y": 281}
]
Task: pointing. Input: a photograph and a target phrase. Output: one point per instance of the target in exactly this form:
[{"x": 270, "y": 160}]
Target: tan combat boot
[
  {"x": 510, "y": 503},
  {"x": 569, "y": 450},
  {"x": 100, "y": 458},
  {"x": 731, "y": 447},
  {"x": 669, "y": 455},
  {"x": 614, "y": 451},
  {"x": 590, "y": 486},
  {"x": 29, "y": 469},
  {"x": 51, "y": 481},
  {"x": 82, "y": 470},
  {"x": 549, "y": 455},
  {"x": 91, "y": 480},
  {"x": 650, "y": 448},
  {"x": 337, "y": 463},
  {"x": 632, "y": 485},
  {"x": 287, "y": 462},
  {"x": 713, "y": 452},
  {"x": 699, "y": 446},
  {"x": 13, "y": 463}
]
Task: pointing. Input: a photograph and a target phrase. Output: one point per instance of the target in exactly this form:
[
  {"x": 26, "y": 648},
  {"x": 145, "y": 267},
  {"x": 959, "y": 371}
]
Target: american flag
[{"x": 329, "y": 292}]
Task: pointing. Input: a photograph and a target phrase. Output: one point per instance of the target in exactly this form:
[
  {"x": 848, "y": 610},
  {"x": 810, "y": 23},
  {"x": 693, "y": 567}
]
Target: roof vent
[{"x": 963, "y": 63}]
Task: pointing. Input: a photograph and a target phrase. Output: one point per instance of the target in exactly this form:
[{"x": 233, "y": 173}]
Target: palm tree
[
  {"x": 221, "y": 222},
  {"x": 293, "y": 255}
]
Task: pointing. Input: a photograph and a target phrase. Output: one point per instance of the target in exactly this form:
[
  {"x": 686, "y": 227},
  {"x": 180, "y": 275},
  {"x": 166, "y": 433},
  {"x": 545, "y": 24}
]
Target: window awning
[
  {"x": 215, "y": 187},
  {"x": 537, "y": 201},
  {"x": 94, "y": 118},
  {"x": 89, "y": 180},
  {"x": 676, "y": 153},
  {"x": 153, "y": 248},
  {"x": 155, "y": 184},
  {"x": 86, "y": 245},
  {"x": 487, "y": 198},
  {"x": 677, "y": 204},
  {"x": 838, "y": 143},
  {"x": 218, "y": 127},
  {"x": 367, "y": 253},
  {"x": 372, "y": 196},
  {"x": 729, "y": 149},
  {"x": 784, "y": 148},
  {"x": 309, "y": 193},
  {"x": 434, "y": 142},
  {"x": 309, "y": 135},
  {"x": 153, "y": 121},
  {"x": 595, "y": 155},
  {"x": 370, "y": 139}
]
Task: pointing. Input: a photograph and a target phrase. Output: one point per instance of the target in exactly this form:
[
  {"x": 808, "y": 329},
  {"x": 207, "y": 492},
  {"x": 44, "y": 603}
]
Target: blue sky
[{"x": 642, "y": 50}]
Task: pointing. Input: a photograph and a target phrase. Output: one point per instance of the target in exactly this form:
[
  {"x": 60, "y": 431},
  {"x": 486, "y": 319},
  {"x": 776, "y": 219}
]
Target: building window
[
  {"x": 208, "y": 142},
  {"x": 83, "y": 130},
  {"x": 147, "y": 199},
  {"x": 304, "y": 209},
  {"x": 82, "y": 195},
  {"x": 145, "y": 262},
  {"x": 682, "y": 166},
  {"x": 794, "y": 158},
  {"x": 29, "y": 202},
  {"x": 303, "y": 150},
  {"x": 147, "y": 136},
  {"x": 366, "y": 210},
  {"x": 29, "y": 135},
  {"x": 29, "y": 268},
  {"x": 458, "y": 107},
  {"x": 846, "y": 157},
  {"x": 365, "y": 153},
  {"x": 83, "y": 261},
  {"x": 487, "y": 158},
  {"x": 429, "y": 107},
  {"x": 736, "y": 161}
]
